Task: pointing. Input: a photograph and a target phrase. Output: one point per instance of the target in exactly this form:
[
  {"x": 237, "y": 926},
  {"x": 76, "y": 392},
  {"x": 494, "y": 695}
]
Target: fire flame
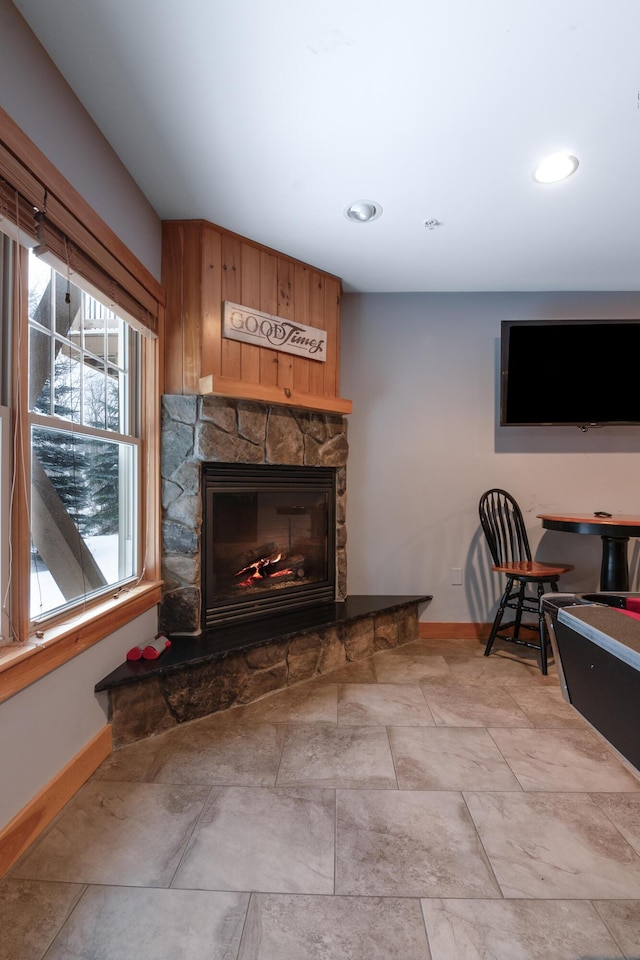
[{"x": 258, "y": 570}]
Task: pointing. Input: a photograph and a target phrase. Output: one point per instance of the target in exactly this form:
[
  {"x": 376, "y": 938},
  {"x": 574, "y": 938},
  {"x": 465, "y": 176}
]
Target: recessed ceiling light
[
  {"x": 363, "y": 211},
  {"x": 557, "y": 166}
]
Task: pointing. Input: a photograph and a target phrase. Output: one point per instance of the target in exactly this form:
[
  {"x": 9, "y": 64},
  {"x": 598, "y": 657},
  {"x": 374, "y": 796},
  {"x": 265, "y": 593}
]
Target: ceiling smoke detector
[
  {"x": 432, "y": 223},
  {"x": 363, "y": 211}
]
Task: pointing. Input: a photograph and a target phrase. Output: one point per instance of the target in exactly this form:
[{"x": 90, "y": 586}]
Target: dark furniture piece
[
  {"x": 597, "y": 650},
  {"x": 506, "y": 535},
  {"x": 614, "y": 531}
]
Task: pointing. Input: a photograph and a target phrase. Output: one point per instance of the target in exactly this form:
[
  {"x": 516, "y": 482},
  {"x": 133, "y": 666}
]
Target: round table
[{"x": 614, "y": 531}]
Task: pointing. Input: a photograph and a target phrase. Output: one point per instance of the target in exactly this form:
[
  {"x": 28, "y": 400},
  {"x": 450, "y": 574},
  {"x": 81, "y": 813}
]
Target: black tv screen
[{"x": 575, "y": 372}]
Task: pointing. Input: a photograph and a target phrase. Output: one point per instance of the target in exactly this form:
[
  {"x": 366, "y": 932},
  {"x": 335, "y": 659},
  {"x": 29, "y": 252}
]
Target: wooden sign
[{"x": 265, "y": 330}]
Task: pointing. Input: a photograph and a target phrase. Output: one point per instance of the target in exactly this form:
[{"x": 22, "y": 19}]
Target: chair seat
[{"x": 532, "y": 569}]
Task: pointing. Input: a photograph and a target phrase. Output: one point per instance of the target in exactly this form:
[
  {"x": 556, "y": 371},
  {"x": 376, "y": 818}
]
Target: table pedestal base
[{"x": 614, "y": 572}]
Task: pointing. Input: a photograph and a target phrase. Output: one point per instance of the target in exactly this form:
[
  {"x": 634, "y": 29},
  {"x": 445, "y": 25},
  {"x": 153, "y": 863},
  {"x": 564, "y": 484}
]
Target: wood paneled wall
[{"x": 204, "y": 265}]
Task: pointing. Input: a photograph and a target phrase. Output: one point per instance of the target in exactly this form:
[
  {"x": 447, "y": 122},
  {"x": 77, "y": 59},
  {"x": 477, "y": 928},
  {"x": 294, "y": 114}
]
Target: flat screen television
[{"x": 572, "y": 372}]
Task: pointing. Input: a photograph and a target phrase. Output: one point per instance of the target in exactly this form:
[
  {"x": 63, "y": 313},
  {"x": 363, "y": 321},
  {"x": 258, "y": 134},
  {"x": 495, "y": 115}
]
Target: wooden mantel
[
  {"x": 245, "y": 390},
  {"x": 202, "y": 266}
]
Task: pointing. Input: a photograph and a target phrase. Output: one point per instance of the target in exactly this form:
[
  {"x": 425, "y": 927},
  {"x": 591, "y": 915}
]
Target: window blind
[
  {"x": 46, "y": 211},
  {"x": 18, "y": 214}
]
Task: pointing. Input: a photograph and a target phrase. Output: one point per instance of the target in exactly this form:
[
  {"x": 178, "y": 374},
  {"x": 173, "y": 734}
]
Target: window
[
  {"x": 80, "y": 318},
  {"x": 84, "y": 437}
]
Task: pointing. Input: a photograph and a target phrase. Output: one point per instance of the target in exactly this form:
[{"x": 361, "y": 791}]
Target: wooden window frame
[{"x": 25, "y": 169}]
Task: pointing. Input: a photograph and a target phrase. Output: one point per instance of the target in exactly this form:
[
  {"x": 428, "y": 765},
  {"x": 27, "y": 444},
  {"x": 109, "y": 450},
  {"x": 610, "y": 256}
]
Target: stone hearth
[
  {"x": 194, "y": 679},
  {"x": 197, "y": 430}
]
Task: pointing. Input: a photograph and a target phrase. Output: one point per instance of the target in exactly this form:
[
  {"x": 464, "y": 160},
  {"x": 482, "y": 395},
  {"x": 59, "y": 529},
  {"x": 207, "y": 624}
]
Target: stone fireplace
[
  {"x": 230, "y": 665},
  {"x": 200, "y": 437}
]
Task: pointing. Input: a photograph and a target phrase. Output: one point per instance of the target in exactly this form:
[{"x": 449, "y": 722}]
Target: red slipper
[{"x": 153, "y": 650}]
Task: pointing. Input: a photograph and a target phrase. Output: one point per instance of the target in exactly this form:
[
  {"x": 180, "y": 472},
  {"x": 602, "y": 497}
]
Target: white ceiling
[{"x": 268, "y": 117}]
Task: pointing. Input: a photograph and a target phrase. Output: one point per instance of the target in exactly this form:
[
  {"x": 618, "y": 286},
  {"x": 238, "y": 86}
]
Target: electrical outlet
[{"x": 456, "y": 576}]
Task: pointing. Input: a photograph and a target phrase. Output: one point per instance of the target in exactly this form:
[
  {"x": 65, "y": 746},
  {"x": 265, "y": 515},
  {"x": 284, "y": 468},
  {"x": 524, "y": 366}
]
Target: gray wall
[
  {"x": 38, "y": 99},
  {"x": 48, "y": 723},
  {"x": 425, "y": 443}
]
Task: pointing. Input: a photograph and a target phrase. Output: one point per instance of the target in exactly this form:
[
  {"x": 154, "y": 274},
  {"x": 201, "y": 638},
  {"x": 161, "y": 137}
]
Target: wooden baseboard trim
[
  {"x": 27, "y": 825},
  {"x": 454, "y": 631}
]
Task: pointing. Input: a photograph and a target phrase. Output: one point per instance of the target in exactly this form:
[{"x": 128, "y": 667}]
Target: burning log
[
  {"x": 274, "y": 565},
  {"x": 261, "y": 567}
]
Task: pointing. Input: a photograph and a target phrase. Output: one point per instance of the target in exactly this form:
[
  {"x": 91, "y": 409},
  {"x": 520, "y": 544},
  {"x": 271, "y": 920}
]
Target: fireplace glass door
[{"x": 268, "y": 539}]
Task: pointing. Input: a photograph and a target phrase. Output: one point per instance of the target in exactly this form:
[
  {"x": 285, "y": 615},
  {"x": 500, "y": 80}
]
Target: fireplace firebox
[{"x": 269, "y": 542}]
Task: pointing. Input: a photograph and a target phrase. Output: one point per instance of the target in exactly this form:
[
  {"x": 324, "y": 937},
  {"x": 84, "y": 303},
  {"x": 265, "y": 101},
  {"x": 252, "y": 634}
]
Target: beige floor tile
[
  {"x": 31, "y": 914},
  {"x": 443, "y": 681},
  {"x": 449, "y": 758},
  {"x": 256, "y": 839},
  {"x": 444, "y": 647},
  {"x": 563, "y": 760},
  {"x": 360, "y": 671},
  {"x": 383, "y": 704},
  {"x": 516, "y": 930},
  {"x": 554, "y": 845},
  {"x": 397, "y": 666},
  {"x": 622, "y": 917},
  {"x": 139, "y": 761},
  {"x": 304, "y": 703},
  {"x": 333, "y": 928},
  {"x": 116, "y": 923},
  {"x": 624, "y": 813},
  {"x": 500, "y": 669},
  {"x": 123, "y": 833},
  {"x": 545, "y": 706},
  {"x": 473, "y": 705},
  {"x": 409, "y": 844},
  {"x": 225, "y": 753},
  {"x": 328, "y": 756}
]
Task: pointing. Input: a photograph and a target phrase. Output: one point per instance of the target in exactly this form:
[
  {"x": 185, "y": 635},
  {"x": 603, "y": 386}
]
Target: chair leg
[
  {"x": 542, "y": 626},
  {"x": 499, "y": 615},
  {"x": 518, "y": 619},
  {"x": 543, "y": 633}
]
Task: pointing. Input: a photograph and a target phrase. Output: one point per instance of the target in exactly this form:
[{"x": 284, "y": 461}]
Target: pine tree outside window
[{"x": 83, "y": 409}]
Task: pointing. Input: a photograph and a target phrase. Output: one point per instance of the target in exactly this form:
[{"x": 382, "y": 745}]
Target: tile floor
[{"x": 426, "y": 804}]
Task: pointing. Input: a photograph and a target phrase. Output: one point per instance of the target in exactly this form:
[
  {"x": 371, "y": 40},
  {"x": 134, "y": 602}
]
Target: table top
[{"x": 620, "y": 524}]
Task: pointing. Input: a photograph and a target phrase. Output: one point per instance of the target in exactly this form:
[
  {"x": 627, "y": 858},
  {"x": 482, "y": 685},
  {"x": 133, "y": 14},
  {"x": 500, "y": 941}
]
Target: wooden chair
[{"x": 504, "y": 528}]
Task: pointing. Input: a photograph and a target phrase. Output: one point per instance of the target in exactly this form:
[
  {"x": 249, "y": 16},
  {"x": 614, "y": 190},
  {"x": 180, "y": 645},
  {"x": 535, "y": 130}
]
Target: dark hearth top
[{"x": 220, "y": 641}]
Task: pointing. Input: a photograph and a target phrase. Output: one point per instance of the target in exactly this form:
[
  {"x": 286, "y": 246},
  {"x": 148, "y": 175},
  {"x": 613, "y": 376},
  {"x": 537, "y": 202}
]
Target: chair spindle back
[{"x": 503, "y": 526}]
